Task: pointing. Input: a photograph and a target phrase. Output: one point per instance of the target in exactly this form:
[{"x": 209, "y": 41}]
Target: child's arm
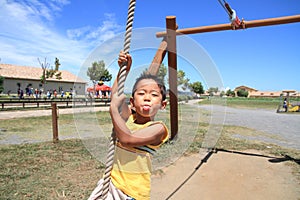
[{"x": 152, "y": 135}]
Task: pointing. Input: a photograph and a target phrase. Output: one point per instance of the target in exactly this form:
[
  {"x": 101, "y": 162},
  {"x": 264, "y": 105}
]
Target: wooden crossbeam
[{"x": 247, "y": 24}]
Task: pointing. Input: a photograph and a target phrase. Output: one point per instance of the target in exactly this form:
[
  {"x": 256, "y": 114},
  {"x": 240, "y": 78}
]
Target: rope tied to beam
[
  {"x": 121, "y": 83},
  {"x": 235, "y": 21}
]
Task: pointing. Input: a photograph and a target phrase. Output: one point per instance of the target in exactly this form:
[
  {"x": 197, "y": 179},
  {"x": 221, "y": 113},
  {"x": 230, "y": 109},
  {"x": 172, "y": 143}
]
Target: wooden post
[
  {"x": 288, "y": 101},
  {"x": 172, "y": 66},
  {"x": 54, "y": 122},
  {"x": 158, "y": 58}
]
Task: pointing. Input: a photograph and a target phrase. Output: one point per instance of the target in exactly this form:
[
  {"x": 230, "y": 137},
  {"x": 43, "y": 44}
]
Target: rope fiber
[{"x": 121, "y": 82}]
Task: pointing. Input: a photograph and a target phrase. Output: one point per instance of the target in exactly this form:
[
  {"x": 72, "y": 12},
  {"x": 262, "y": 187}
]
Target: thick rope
[
  {"x": 121, "y": 82},
  {"x": 224, "y": 7}
]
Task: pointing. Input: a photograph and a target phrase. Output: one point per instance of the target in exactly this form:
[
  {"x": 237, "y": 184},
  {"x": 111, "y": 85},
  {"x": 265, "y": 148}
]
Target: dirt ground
[{"x": 226, "y": 176}]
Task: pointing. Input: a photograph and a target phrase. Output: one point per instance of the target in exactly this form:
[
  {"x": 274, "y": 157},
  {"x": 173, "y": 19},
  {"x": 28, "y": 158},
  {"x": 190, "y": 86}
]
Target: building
[
  {"x": 257, "y": 93},
  {"x": 23, "y": 77},
  {"x": 265, "y": 93},
  {"x": 246, "y": 88}
]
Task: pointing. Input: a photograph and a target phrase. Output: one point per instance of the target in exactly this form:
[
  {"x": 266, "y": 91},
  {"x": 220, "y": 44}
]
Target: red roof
[{"x": 99, "y": 88}]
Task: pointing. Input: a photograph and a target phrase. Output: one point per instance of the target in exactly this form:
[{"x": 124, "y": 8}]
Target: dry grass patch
[{"x": 48, "y": 171}]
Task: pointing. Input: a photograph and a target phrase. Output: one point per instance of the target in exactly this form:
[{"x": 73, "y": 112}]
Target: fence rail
[{"x": 61, "y": 102}]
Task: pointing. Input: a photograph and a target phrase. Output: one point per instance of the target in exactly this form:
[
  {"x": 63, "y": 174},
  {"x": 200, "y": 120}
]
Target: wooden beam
[
  {"x": 247, "y": 24},
  {"x": 158, "y": 58},
  {"x": 172, "y": 66}
]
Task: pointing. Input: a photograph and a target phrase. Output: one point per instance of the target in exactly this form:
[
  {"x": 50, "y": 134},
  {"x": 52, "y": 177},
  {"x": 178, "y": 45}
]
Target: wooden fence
[{"x": 61, "y": 102}]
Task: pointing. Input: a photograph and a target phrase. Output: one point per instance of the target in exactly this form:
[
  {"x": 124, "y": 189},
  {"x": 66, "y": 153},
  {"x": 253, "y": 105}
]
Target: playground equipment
[
  {"x": 168, "y": 46},
  {"x": 288, "y": 105},
  {"x": 235, "y": 21}
]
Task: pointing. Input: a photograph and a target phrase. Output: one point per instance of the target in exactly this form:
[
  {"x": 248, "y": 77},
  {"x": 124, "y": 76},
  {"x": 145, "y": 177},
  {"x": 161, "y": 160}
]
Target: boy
[{"x": 138, "y": 135}]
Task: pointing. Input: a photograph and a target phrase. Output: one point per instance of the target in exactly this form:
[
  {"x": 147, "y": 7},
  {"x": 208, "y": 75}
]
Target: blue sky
[{"x": 265, "y": 58}]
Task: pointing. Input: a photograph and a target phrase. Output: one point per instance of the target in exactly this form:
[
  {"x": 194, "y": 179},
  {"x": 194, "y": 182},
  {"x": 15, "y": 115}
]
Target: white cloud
[
  {"x": 97, "y": 35},
  {"x": 78, "y": 33},
  {"x": 27, "y": 33}
]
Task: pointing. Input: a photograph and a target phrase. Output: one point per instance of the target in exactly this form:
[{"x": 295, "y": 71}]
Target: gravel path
[{"x": 281, "y": 125}]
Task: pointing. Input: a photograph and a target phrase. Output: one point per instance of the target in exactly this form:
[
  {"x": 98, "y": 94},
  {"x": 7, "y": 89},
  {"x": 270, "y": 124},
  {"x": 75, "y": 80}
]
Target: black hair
[{"x": 159, "y": 82}]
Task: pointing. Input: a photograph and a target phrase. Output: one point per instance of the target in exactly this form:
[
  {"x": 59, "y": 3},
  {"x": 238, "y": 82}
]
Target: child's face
[{"x": 147, "y": 99}]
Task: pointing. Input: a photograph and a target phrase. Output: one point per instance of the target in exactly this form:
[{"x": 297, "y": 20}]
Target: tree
[
  {"x": 162, "y": 72},
  {"x": 56, "y": 71},
  {"x": 197, "y": 87},
  {"x": 182, "y": 80},
  {"x": 49, "y": 72},
  {"x": 222, "y": 93},
  {"x": 242, "y": 93},
  {"x": 230, "y": 93},
  {"x": 98, "y": 72},
  {"x": 213, "y": 90},
  {"x": 1, "y": 84}
]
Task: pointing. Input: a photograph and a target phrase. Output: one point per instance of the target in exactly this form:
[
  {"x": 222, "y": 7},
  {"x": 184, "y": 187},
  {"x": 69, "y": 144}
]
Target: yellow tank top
[{"x": 132, "y": 166}]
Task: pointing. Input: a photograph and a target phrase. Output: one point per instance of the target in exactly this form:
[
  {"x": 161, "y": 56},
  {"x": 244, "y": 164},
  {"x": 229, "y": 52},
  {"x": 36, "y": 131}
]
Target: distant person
[
  {"x": 27, "y": 91},
  {"x": 21, "y": 94},
  {"x": 31, "y": 92},
  {"x": 48, "y": 94},
  {"x": 71, "y": 93},
  {"x": 285, "y": 106},
  {"x": 67, "y": 94},
  {"x": 55, "y": 93},
  {"x": 36, "y": 93}
]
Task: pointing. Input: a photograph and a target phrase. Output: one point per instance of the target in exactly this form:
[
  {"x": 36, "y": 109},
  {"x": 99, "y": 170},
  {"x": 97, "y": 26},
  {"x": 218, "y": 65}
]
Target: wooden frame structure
[{"x": 168, "y": 45}]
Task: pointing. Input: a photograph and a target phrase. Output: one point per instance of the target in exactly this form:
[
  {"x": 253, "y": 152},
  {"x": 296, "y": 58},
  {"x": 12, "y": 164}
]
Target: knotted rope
[{"x": 121, "y": 82}]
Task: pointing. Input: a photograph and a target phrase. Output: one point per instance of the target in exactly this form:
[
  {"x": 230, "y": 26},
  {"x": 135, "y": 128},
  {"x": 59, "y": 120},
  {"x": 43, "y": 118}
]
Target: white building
[{"x": 30, "y": 77}]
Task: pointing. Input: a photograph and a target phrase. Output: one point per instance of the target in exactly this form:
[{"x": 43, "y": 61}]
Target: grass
[
  {"x": 47, "y": 171},
  {"x": 252, "y": 103},
  {"x": 36, "y": 129},
  {"x": 68, "y": 170}
]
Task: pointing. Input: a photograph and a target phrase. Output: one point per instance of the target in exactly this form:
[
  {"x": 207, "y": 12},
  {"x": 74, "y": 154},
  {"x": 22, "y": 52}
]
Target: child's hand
[{"x": 125, "y": 58}]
